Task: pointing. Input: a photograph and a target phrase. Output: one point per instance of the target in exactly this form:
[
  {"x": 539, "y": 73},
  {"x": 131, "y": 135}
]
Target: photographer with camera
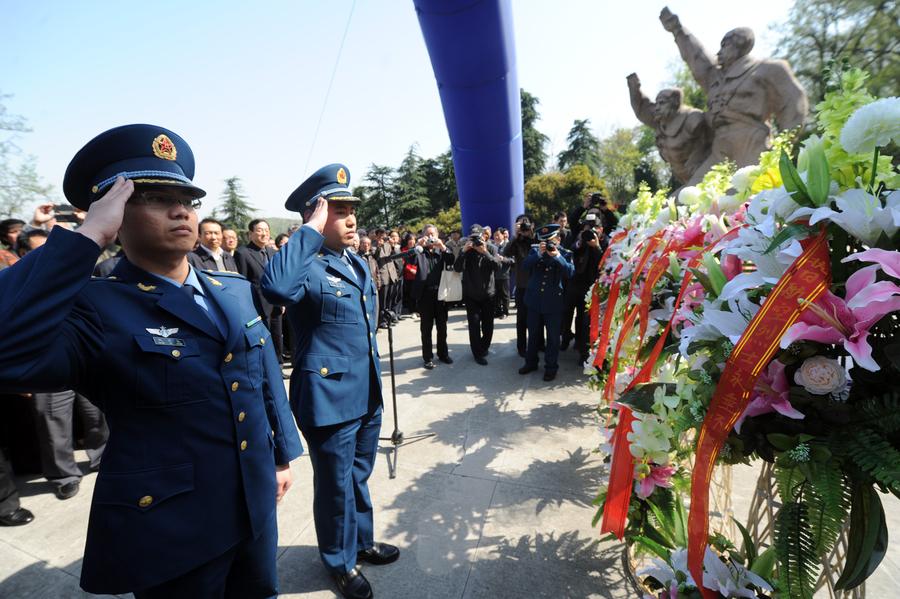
[
  {"x": 478, "y": 267},
  {"x": 550, "y": 266},
  {"x": 518, "y": 249},
  {"x": 586, "y": 255},
  {"x": 433, "y": 260}
]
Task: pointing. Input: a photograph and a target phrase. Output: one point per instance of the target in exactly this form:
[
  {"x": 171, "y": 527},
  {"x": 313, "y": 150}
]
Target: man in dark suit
[
  {"x": 433, "y": 312},
  {"x": 200, "y": 428},
  {"x": 336, "y": 382},
  {"x": 210, "y": 255},
  {"x": 478, "y": 262},
  {"x": 251, "y": 261}
]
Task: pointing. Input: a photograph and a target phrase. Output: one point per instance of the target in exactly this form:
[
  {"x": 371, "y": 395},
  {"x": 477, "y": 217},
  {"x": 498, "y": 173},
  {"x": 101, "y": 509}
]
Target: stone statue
[
  {"x": 682, "y": 134},
  {"x": 743, "y": 93}
]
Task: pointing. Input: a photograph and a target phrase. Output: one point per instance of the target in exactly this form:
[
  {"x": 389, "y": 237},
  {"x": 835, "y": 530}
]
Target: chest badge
[
  {"x": 143, "y": 287},
  {"x": 162, "y": 332}
]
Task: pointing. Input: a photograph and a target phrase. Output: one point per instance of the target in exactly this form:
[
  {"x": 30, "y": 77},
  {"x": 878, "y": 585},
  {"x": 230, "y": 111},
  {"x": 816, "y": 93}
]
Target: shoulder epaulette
[{"x": 224, "y": 273}]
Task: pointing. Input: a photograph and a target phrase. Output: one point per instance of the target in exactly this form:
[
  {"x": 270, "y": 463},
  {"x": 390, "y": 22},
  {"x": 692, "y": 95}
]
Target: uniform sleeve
[
  {"x": 566, "y": 266},
  {"x": 531, "y": 260},
  {"x": 287, "y": 275},
  {"x": 49, "y": 334},
  {"x": 287, "y": 440}
]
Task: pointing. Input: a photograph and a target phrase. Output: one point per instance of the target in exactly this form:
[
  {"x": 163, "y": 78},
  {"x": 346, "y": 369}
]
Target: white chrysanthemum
[
  {"x": 743, "y": 178},
  {"x": 872, "y": 125},
  {"x": 690, "y": 196}
]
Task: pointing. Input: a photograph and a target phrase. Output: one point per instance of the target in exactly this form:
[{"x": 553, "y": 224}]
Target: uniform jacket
[
  {"x": 197, "y": 421},
  {"x": 203, "y": 260},
  {"x": 335, "y": 320},
  {"x": 545, "y": 285},
  {"x": 250, "y": 263}
]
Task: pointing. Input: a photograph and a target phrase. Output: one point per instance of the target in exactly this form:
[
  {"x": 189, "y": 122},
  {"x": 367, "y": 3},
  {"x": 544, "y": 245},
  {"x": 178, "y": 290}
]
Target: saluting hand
[
  {"x": 282, "y": 479},
  {"x": 104, "y": 217},
  {"x": 319, "y": 216}
]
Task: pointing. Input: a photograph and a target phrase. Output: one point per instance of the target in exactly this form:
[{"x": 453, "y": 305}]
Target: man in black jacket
[
  {"x": 210, "y": 255},
  {"x": 433, "y": 312},
  {"x": 586, "y": 259},
  {"x": 251, "y": 261},
  {"x": 478, "y": 267},
  {"x": 518, "y": 249}
]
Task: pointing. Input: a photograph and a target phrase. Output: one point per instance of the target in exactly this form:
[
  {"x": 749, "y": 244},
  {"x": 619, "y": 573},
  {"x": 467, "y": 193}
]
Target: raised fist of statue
[
  {"x": 669, "y": 21},
  {"x": 634, "y": 81}
]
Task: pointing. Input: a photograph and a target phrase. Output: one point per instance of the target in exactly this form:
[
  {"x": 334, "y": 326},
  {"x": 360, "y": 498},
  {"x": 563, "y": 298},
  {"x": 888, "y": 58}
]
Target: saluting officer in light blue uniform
[
  {"x": 200, "y": 427},
  {"x": 550, "y": 265},
  {"x": 336, "y": 382}
]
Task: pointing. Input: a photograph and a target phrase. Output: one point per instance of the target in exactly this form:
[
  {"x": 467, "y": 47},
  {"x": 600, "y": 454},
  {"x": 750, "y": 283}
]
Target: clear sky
[{"x": 245, "y": 82}]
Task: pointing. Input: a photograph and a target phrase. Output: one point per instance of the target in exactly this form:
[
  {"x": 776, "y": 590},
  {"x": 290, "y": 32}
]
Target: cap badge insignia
[
  {"x": 162, "y": 332},
  {"x": 143, "y": 287},
  {"x": 164, "y": 148},
  {"x": 342, "y": 176}
]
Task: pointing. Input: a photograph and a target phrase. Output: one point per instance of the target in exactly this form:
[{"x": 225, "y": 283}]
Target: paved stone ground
[{"x": 497, "y": 503}]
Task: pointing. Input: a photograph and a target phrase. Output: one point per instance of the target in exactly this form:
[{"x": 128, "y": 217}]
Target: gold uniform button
[
  {"x": 370, "y": 334},
  {"x": 176, "y": 353},
  {"x": 234, "y": 386},
  {"x": 262, "y": 340},
  {"x": 364, "y": 298},
  {"x": 241, "y": 416},
  {"x": 338, "y": 293},
  {"x": 323, "y": 371},
  {"x": 228, "y": 358},
  {"x": 145, "y": 501},
  {"x": 243, "y": 445}
]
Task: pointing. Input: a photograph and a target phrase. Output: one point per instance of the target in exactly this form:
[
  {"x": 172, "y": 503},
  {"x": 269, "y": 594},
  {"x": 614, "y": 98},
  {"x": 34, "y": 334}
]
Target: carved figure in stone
[
  {"x": 682, "y": 134},
  {"x": 744, "y": 93}
]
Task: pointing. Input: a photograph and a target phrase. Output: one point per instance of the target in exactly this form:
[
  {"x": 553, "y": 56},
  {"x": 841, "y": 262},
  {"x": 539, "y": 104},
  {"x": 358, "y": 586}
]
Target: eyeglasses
[{"x": 164, "y": 201}]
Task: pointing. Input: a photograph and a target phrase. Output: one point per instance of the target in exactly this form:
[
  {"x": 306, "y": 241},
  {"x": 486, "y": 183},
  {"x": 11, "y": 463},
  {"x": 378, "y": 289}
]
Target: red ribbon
[
  {"x": 614, "y": 287},
  {"x": 807, "y": 278}
]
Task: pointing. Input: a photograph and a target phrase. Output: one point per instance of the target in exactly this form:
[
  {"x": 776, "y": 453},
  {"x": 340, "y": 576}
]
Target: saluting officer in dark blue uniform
[
  {"x": 550, "y": 265},
  {"x": 336, "y": 382},
  {"x": 178, "y": 360}
]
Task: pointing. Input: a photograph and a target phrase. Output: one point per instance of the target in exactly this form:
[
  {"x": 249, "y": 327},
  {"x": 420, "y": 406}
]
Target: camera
[
  {"x": 550, "y": 245},
  {"x": 588, "y": 236},
  {"x": 65, "y": 213},
  {"x": 476, "y": 240}
]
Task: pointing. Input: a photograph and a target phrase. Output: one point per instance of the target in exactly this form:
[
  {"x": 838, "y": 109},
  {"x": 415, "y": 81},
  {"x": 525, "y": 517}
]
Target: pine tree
[
  {"x": 410, "y": 191},
  {"x": 584, "y": 148},
  {"x": 376, "y": 211},
  {"x": 234, "y": 211},
  {"x": 440, "y": 181},
  {"x": 532, "y": 140}
]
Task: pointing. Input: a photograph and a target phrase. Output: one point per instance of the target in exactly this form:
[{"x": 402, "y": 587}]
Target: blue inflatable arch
[{"x": 472, "y": 51}]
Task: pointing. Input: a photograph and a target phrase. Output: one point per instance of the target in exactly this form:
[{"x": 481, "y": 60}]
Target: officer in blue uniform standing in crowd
[
  {"x": 550, "y": 265},
  {"x": 336, "y": 382},
  {"x": 201, "y": 434}
]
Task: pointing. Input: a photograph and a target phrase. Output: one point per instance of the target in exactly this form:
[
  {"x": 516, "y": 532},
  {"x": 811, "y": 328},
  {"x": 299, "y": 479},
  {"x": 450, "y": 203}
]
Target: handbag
[{"x": 450, "y": 287}]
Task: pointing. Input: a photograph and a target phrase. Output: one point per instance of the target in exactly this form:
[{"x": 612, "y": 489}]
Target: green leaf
[
  {"x": 780, "y": 441},
  {"x": 818, "y": 177},
  {"x": 797, "y": 562},
  {"x": 653, "y": 547},
  {"x": 867, "y": 542},
  {"x": 792, "y": 181},
  {"x": 640, "y": 398},
  {"x": 749, "y": 546},
  {"x": 786, "y": 232},
  {"x": 764, "y": 565},
  {"x": 703, "y": 280}
]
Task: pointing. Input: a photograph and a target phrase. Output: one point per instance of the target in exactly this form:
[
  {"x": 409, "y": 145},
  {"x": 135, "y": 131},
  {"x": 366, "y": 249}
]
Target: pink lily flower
[
  {"x": 771, "y": 394},
  {"x": 660, "y": 476},
  {"x": 732, "y": 266},
  {"x": 889, "y": 261},
  {"x": 846, "y": 322}
]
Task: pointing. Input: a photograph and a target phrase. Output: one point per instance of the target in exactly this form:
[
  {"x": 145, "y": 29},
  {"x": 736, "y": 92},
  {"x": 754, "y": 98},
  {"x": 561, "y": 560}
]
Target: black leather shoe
[
  {"x": 429, "y": 365},
  {"x": 17, "y": 518},
  {"x": 353, "y": 585},
  {"x": 481, "y": 360},
  {"x": 446, "y": 359},
  {"x": 549, "y": 375},
  {"x": 379, "y": 554},
  {"x": 68, "y": 490},
  {"x": 526, "y": 369}
]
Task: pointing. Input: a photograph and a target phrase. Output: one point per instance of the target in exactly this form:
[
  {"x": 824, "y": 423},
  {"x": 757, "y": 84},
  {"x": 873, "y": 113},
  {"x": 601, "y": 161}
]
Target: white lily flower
[
  {"x": 861, "y": 214},
  {"x": 729, "y": 578}
]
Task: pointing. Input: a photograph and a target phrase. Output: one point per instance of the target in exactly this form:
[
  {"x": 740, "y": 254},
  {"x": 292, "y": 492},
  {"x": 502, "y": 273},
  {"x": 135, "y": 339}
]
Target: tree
[
  {"x": 532, "y": 140},
  {"x": 234, "y": 211},
  {"x": 584, "y": 148},
  {"x": 446, "y": 221},
  {"x": 551, "y": 192},
  {"x": 693, "y": 94},
  {"x": 20, "y": 184},
  {"x": 440, "y": 181},
  {"x": 376, "y": 211},
  {"x": 619, "y": 157},
  {"x": 865, "y": 33},
  {"x": 410, "y": 191}
]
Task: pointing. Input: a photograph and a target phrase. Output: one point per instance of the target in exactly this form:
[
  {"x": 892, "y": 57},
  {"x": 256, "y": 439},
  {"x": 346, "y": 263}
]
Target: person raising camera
[
  {"x": 586, "y": 253},
  {"x": 478, "y": 267}
]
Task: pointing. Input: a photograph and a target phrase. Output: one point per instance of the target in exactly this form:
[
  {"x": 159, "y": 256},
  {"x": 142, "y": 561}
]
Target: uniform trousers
[
  {"x": 480, "y": 316},
  {"x": 522, "y": 324},
  {"x": 501, "y": 297},
  {"x": 432, "y": 313},
  {"x": 342, "y": 457},
  {"x": 246, "y": 571},
  {"x": 537, "y": 324},
  {"x": 9, "y": 495},
  {"x": 53, "y": 416}
]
